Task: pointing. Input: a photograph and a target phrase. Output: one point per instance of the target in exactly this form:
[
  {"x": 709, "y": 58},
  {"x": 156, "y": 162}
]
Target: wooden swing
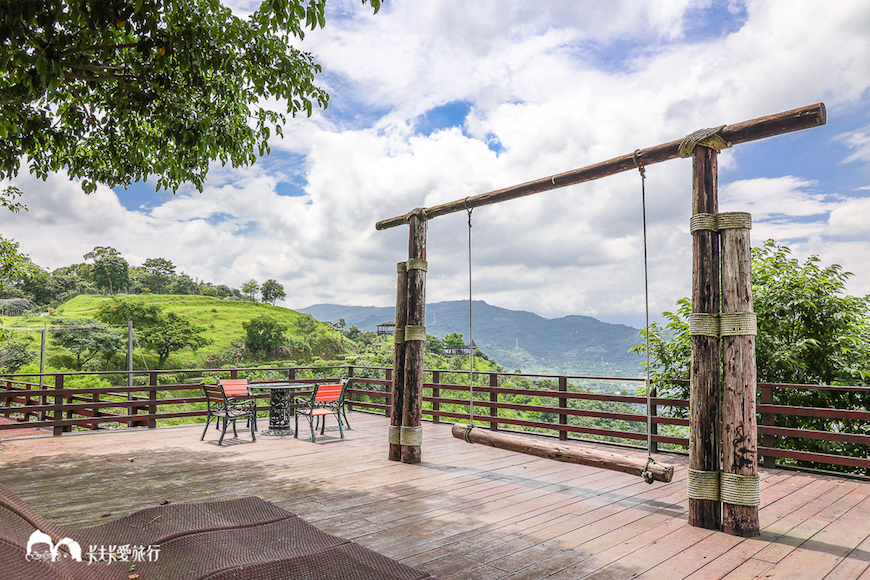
[
  {"x": 723, "y": 481},
  {"x": 649, "y": 469}
]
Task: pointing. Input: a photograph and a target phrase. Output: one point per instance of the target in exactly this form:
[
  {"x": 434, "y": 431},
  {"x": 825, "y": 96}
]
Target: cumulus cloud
[{"x": 548, "y": 88}]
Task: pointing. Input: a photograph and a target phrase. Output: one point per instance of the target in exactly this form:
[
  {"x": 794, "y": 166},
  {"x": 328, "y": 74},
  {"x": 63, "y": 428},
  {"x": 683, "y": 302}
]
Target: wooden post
[
  {"x": 57, "y": 414},
  {"x": 436, "y": 392},
  {"x": 152, "y": 400},
  {"x": 768, "y": 419},
  {"x": 493, "y": 398},
  {"x": 398, "y": 388},
  {"x": 563, "y": 404},
  {"x": 415, "y": 340},
  {"x": 739, "y": 428},
  {"x": 704, "y": 386}
]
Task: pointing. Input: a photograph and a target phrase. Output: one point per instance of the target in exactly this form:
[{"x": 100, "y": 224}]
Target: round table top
[{"x": 280, "y": 385}]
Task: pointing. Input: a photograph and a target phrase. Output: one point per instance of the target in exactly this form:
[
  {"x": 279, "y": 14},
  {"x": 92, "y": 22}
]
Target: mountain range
[{"x": 579, "y": 345}]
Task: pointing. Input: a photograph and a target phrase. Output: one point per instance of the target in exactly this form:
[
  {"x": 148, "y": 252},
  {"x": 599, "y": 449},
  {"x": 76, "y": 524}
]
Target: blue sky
[{"x": 435, "y": 101}]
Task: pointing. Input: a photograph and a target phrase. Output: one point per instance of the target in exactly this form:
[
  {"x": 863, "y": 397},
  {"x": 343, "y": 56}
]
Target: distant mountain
[{"x": 516, "y": 339}]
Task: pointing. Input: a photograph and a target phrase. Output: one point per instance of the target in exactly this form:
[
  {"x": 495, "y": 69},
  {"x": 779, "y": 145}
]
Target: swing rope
[
  {"x": 470, "y": 334},
  {"x": 647, "y": 475}
]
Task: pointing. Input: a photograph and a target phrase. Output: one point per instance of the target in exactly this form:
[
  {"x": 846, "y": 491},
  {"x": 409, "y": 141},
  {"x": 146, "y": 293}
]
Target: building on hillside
[
  {"x": 386, "y": 328},
  {"x": 464, "y": 350}
]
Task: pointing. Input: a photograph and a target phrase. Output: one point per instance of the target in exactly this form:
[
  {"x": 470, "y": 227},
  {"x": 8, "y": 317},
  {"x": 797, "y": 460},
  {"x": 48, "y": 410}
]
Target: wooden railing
[{"x": 563, "y": 406}]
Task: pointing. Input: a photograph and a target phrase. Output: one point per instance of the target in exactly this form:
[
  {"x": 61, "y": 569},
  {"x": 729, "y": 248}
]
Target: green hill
[
  {"x": 307, "y": 339},
  {"x": 221, "y": 318}
]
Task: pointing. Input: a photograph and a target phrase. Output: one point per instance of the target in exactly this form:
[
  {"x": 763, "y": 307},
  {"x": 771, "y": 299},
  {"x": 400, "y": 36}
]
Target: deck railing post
[
  {"x": 152, "y": 400},
  {"x": 767, "y": 419},
  {"x": 436, "y": 392},
  {"x": 563, "y": 404},
  {"x": 348, "y": 399},
  {"x": 57, "y": 415},
  {"x": 493, "y": 398},
  {"x": 388, "y": 398},
  {"x": 654, "y": 427}
]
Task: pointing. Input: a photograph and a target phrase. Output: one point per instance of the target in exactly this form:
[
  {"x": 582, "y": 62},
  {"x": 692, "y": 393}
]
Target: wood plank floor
[{"x": 466, "y": 512}]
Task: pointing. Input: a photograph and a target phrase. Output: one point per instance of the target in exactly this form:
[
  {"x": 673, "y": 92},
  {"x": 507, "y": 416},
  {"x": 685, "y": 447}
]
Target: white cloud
[{"x": 561, "y": 84}]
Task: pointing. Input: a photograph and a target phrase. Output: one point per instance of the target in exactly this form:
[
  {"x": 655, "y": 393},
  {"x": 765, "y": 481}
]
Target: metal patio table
[{"x": 280, "y": 405}]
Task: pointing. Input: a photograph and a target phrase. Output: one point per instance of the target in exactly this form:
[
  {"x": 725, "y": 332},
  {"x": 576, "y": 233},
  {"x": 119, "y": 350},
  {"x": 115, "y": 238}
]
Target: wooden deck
[{"x": 466, "y": 512}]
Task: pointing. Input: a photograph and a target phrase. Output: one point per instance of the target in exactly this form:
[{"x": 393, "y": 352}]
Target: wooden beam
[
  {"x": 567, "y": 452},
  {"x": 760, "y": 128}
]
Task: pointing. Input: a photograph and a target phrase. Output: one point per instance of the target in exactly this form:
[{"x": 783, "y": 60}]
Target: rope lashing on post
[
  {"x": 411, "y": 436},
  {"x": 720, "y": 221},
  {"x": 740, "y": 489},
  {"x": 703, "y": 485},
  {"x": 726, "y": 487},
  {"x": 417, "y": 264},
  {"x": 706, "y": 138},
  {"x": 415, "y": 333},
  {"x": 395, "y": 435}
]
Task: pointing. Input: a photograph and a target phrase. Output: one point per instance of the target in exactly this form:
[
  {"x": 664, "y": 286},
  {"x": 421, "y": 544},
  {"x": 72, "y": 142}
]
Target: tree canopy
[
  {"x": 809, "y": 332},
  {"x": 111, "y": 272},
  {"x": 117, "y": 92},
  {"x": 13, "y": 265},
  {"x": 272, "y": 291}
]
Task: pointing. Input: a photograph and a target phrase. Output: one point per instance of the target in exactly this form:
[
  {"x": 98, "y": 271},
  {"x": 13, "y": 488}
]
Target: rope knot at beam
[
  {"x": 420, "y": 212},
  {"x": 706, "y": 138}
]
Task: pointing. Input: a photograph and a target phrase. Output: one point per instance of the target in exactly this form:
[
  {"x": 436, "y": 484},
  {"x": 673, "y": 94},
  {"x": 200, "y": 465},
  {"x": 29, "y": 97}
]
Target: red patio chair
[
  {"x": 324, "y": 400},
  {"x": 229, "y": 400}
]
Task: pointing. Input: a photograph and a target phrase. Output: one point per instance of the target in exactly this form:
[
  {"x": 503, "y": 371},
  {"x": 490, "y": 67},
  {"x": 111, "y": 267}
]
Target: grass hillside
[{"x": 222, "y": 319}]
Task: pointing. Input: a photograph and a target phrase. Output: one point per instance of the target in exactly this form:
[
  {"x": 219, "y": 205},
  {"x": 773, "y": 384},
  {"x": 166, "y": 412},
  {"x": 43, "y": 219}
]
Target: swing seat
[{"x": 569, "y": 453}]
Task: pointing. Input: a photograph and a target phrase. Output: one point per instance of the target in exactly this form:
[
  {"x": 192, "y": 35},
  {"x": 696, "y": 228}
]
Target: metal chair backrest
[
  {"x": 215, "y": 395},
  {"x": 328, "y": 393},
  {"x": 234, "y": 387}
]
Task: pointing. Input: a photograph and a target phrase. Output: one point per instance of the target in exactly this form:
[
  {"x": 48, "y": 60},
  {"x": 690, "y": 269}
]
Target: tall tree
[
  {"x": 250, "y": 289},
  {"x": 264, "y": 334},
  {"x": 158, "y": 273},
  {"x": 272, "y": 291},
  {"x": 172, "y": 334},
  {"x": 111, "y": 272},
  {"x": 101, "y": 252},
  {"x": 120, "y": 311},
  {"x": 14, "y": 265},
  {"x": 117, "y": 92}
]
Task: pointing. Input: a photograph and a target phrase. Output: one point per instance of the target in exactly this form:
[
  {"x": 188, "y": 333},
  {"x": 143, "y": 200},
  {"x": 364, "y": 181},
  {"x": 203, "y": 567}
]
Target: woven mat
[{"x": 244, "y": 539}]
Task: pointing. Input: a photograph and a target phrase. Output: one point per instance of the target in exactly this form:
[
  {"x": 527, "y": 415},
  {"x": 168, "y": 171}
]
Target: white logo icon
[{"x": 38, "y": 537}]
